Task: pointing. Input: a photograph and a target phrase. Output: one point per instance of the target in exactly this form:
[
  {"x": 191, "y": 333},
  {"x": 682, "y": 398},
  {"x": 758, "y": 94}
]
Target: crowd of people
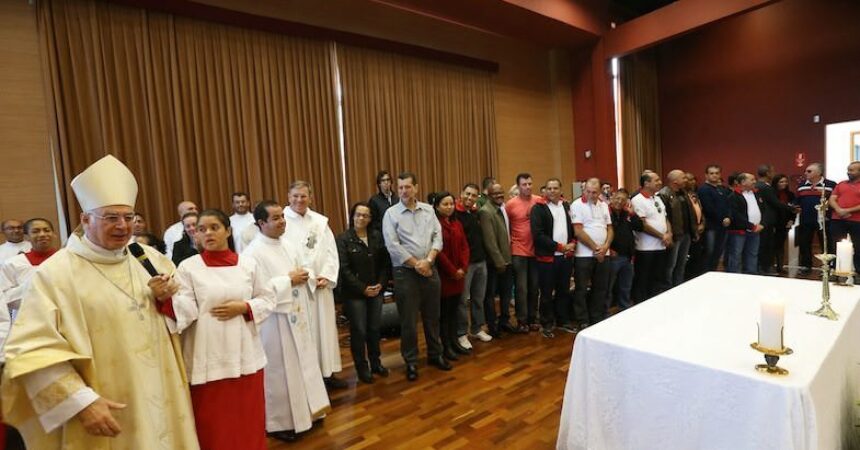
[{"x": 196, "y": 315}]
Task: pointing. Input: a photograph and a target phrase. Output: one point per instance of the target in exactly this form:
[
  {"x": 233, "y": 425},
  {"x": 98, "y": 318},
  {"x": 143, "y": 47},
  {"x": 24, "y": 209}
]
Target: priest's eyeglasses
[{"x": 115, "y": 218}]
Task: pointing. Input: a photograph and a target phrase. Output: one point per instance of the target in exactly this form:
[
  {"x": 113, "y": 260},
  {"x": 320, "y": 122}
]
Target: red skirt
[{"x": 231, "y": 414}]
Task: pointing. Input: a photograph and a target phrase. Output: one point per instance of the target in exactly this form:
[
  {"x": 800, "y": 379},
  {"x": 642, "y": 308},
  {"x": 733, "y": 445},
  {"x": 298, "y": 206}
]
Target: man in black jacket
[
  {"x": 715, "y": 206},
  {"x": 623, "y": 247},
  {"x": 683, "y": 220},
  {"x": 382, "y": 200},
  {"x": 554, "y": 243},
  {"x": 743, "y": 235},
  {"x": 475, "y": 284},
  {"x": 772, "y": 210}
]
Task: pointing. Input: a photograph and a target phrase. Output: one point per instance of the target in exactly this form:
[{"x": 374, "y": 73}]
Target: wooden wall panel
[{"x": 26, "y": 178}]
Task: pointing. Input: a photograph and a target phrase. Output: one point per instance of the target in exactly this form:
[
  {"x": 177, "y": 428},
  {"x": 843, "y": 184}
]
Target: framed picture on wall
[{"x": 855, "y": 146}]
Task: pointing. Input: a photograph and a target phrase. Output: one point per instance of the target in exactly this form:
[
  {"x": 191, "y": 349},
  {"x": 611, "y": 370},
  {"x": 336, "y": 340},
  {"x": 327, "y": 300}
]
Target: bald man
[
  {"x": 808, "y": 198},
  {"x": 15, "y": 243},
  {"x": 174, "y": 232},
  {"x": 845, "y": 203},
  {"x": 682, "y": 217}
]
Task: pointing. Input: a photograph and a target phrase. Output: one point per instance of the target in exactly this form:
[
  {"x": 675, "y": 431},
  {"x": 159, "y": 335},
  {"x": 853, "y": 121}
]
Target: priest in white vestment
[
  {"x": 241, "y": 219},
  {"x": 90, "y": 363},
  {"x": 15, "y": 243},
  {"x": 309, "y": 232},
  {"x": 295, "y": 391},
  {"x": 174, "y": 232}
]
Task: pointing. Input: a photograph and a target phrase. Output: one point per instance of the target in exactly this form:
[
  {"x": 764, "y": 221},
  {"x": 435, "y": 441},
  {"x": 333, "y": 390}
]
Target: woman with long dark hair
[
  {"x": 453, "y": 262},
  {"x": 219, "y": 307},
  {"x": 364, "y": 273},
  {"x": 785, "y": 221}
]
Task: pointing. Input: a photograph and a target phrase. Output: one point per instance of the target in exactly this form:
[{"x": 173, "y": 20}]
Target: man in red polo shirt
[
  {"x": 845, "y": 203},
  {"x": 523, "y": 254}
]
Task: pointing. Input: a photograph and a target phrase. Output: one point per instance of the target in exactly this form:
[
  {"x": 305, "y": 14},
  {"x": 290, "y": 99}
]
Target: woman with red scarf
[
  {"x": 221, "y": 302},
  {"x": 453, "y": 262}
]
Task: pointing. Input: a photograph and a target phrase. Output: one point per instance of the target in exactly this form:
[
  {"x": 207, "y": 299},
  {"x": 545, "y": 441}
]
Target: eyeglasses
[{"x": 114, "y": 219}]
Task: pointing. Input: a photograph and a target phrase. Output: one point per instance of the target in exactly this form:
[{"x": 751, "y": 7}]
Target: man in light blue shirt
[{"x": 413, "y": 237}]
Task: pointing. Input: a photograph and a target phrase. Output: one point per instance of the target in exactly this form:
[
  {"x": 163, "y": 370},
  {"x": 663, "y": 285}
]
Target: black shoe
[
  {"x": 547, "y": 332},
  {"x": 335, "y": 383},
  {"x": 507, "y": 327},
  {"x": 378, "y": 369},
  {"x": 439, "y": 362},
  {"x": 522, "y": 329},
  {"x": 364, "y": 374},
  {"x": 450, "y": 354},
  {"x": 286, "y": 435},
  {"x": 411, "y": 372},
  {"x": 460, "y": 349}
]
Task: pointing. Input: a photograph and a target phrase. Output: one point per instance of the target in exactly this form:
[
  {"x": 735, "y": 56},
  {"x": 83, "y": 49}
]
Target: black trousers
[
  {"x": 414, "y": 293},
  {"x": 780, "y": 237},
  {"x": 365, "y": 318},
  {"x": 448, "y": 319},
  {"x": 766, "y": 250},
  {"x": 650, "y": 268},
  {"x": 805, "y": 233},
  {"x": 501, "y": 284},
  {"x": 696, "y": 263},
  {"x": 591, "y": 279},
  {"x": 555, "y": 302}
]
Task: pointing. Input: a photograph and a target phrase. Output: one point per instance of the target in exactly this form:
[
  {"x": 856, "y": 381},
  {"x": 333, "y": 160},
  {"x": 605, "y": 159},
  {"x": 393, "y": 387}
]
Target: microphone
[{"x": 137, "y": 251}]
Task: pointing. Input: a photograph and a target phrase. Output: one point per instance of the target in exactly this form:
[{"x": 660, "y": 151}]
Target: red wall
[{"x": 743, "y": 91}]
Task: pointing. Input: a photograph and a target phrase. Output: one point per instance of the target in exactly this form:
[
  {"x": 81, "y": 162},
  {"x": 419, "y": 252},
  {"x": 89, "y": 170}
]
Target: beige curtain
[
  {"x": 197, "y": 110},
  {"x": 640, "y": 117},
  {"x": 408, "y": 114}
]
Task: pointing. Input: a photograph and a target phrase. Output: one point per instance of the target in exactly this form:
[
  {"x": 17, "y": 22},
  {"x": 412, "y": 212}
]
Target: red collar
[
  {"x": 645, "y": 194},
  {"x": 458, "y": 206},
  {"x": 37, "y": 258},
  {"x": 221, "y": 258}
]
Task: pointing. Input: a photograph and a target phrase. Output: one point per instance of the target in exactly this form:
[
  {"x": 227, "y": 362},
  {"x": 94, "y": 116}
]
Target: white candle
[
  {"x": 771, "y": 323},
  {"x": 844, "y": 256}
]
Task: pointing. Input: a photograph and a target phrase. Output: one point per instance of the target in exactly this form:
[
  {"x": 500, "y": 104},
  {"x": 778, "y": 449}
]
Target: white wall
[{"x": 838, "y": 152}]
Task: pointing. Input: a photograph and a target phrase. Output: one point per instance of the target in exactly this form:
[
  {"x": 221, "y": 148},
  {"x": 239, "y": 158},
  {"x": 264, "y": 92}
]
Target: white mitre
[{"x": 106, "y": 182}]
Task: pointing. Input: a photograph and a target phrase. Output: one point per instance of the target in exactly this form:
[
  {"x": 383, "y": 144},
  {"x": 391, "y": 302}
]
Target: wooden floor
[{"x": 508, "y": 394}]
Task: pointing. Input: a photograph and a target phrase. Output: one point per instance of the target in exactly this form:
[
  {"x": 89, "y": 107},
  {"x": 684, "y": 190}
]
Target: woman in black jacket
[
  {"x": 786, "y": 220},
  {"x": 364, "y": 273}
]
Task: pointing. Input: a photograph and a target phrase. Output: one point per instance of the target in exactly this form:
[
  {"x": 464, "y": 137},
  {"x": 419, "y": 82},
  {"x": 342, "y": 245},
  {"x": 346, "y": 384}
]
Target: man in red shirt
[
  {"x": 523, "y": 254},
  {"x": 845, "y": 203}
]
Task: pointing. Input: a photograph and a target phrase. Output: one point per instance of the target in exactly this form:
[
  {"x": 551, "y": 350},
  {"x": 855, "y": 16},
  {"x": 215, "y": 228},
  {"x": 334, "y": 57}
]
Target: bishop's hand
[
  {"x": 98, "y": 420},
  {"x": 163, "y": 287}
]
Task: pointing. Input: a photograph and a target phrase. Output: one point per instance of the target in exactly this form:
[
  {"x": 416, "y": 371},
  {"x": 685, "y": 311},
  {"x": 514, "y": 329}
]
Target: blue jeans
[
  {"x": 715, "y": 242},
  {"x": 742, "y": 250},
  {"x": 621, "y": 281}
]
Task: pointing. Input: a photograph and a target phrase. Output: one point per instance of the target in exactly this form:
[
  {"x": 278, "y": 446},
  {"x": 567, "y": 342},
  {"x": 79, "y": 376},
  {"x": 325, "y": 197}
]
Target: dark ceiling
[{"x": 629, "y": 9}]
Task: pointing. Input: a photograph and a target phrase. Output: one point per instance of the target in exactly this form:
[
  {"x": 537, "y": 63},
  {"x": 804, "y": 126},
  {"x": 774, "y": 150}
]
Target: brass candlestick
[
  {"x": 825, "y": 310},
  {"x": 848, "y": 278},
  {"x": 771, "y": 356}
]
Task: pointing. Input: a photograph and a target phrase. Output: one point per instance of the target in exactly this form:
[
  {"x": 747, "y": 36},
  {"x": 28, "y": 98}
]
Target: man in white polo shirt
[
  {"x": 651, "y": 243},
  {"x": 592, "y": 225}
]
